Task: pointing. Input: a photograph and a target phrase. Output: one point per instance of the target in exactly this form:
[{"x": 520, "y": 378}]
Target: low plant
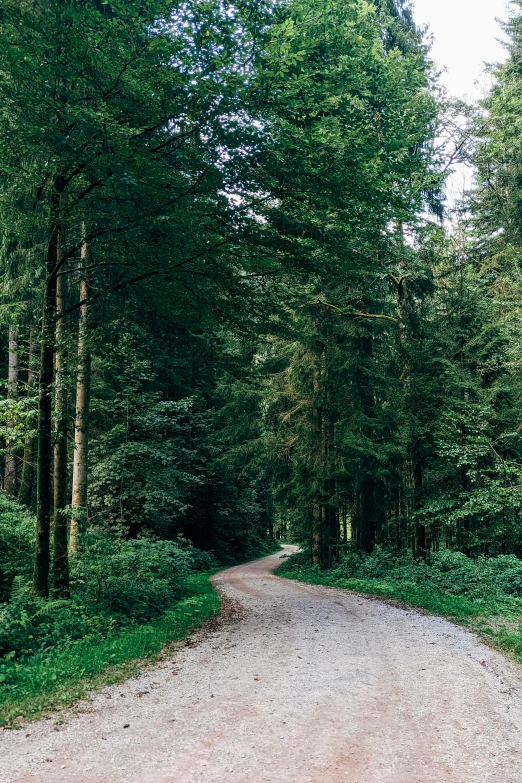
[
  {"x": 484, "y": 594},
  {"x": 116, "y": 584},
  {"x": 54, "y": 679}
]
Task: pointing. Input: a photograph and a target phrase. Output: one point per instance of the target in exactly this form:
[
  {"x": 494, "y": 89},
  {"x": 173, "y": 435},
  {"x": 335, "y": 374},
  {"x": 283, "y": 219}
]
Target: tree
[
  {"x": 81, "y": 422},
  {"x": 12, "y": 394},
  {"x": 121, "y": 141},
  {"x": 349, "y": 162}
]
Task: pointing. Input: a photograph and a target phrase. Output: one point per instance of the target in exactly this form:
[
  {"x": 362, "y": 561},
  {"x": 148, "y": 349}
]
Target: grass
[
  {"x": 60, "y": 679},
  {"x": 499, "y": 625}
]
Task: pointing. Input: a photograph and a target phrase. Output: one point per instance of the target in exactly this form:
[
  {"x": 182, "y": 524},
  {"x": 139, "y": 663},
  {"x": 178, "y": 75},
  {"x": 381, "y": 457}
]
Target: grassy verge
[
  {"x": 44, "y": 685},
  {"x": 498, "y": 625}
]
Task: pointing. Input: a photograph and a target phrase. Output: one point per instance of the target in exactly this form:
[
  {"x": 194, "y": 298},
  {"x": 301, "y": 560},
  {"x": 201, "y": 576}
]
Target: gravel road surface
[{"x": 303, "y": 685}]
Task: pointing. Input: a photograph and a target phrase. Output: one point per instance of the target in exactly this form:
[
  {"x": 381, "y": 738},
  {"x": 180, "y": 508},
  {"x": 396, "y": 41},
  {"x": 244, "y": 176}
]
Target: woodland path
[{"x": 303, "y": 685}]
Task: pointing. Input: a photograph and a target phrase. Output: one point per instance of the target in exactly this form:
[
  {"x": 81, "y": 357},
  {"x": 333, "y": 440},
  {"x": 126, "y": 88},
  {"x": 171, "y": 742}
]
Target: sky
[{"x": 466, "y": 36}]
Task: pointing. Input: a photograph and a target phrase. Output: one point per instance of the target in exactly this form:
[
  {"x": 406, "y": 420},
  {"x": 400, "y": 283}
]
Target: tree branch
[
  {"x": 131, "y": 281},
  {"x": 320, "y": 300}
]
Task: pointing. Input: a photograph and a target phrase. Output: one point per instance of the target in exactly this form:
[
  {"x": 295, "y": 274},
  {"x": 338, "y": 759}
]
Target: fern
[{"x": 19, "y": 588}]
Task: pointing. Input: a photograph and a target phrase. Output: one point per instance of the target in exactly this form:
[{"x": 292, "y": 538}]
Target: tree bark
[
  {"x": 81, "y": 424},
  {"x": 12, "y": 394},
  {"x": 367, "y": 514},
  {"x": 325, "y": 523},
  {"x": 332, "y": 504},
  {"x": 345, "y": 521},
  {"x": 316, "y": 507},
  {"x": 26, "y": 483},
  {"x": 367, "y": 489},
  {"x": 45, "y": 403},
  {"x": 421, "y": 537},
  {"x": 330, "y": 527},
  {"x": 60, "y": 556}
]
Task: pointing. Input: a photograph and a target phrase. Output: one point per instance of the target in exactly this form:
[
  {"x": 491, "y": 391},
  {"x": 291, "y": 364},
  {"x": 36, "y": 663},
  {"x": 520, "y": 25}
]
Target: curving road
[{"x": 304, "y": 685}]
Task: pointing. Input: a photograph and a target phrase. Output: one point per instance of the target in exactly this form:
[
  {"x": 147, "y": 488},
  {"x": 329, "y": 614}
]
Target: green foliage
[
  {"x": 350, "y": 118},
  {"x": 491, "y": 585},
  {"x": 116, "y": 584},
  {"x": 31, "y": 625},
  {"x": 283, "y": 341},
  {"x": 144, "y": 473},
  {"x": 52, "y": 681},
  {"x": 16, "y": 544},
  {"x": 135, "y": 580}
]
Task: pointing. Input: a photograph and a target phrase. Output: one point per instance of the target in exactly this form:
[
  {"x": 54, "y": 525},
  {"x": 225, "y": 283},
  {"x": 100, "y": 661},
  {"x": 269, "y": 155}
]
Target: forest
[{"x": 237, "y": 308}]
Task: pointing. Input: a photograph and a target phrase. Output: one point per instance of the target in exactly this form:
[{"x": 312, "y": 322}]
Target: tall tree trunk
[
  {"x": 367, "y": 489},
  {"x": 464, "y": 533},
  {"x": 355, "y": 521},
  {"x": 325, "y": 523},
  {"x": 60, "y": 556},
  {"x": 81, "y": 424},
  {"x": 367, "y": 514},
  {"x": 330, "y": 528},
  {"x": 333, "y": 526},
  {"x": 26, "y": 483},
  {"x": 421, "y": 537},
  {"x": 12, "y": 394},
  {"x": 397, "y": 515},
  {"x": 45, "y": 404},
  {"x": 316, "y": 510},
  {"x": 345, "y": 519}
]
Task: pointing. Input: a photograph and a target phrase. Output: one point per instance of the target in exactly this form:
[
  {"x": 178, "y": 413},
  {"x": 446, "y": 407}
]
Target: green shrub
[
  {"x": 137, "y": 579},
  {"x": 30, "y": 625},
  {"x": 495, "y": 583},
  {"x": 199, "y": 560},
  {"x": 16, "y": 544},
  {"x": 350, "y": 565},
  {"x": 115, "y": 584},
  {"x": 506, "y": 571}
]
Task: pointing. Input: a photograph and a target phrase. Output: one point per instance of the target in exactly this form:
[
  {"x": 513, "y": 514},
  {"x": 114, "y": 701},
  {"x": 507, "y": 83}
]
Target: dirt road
[{"x": 306, "y": 685}]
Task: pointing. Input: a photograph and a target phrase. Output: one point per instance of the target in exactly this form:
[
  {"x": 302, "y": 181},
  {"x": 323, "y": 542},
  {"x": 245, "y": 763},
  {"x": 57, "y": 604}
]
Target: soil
[{"x": 296, "y": 684}]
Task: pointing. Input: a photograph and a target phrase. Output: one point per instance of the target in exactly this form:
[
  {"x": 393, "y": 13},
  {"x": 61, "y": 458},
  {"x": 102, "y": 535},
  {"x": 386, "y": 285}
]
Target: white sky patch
[{"x": 466, "y": 36}]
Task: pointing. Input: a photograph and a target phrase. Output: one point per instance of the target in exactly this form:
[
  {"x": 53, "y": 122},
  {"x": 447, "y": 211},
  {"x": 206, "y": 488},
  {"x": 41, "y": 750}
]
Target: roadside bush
[
  {"x": 494, "y": 582},
  {"x": 297, "y": 563},
  {"x": 457, "y": 574},
  {"x": 350, "y": 565},
  {"x": 131, "y": 580},
  {"x": 506, "y": 571},
  {"x": 29, "y": 625},
  {"x": 115, "y": 584},
  {"x": 199, "y": 560}
]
